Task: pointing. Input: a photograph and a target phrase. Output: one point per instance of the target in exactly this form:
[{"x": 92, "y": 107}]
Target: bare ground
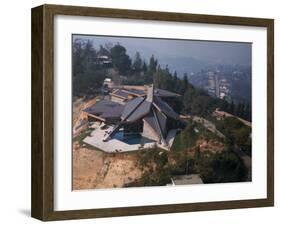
[
  {"x": 211, "y": 145},
  {"x": 95, "y": 169}
]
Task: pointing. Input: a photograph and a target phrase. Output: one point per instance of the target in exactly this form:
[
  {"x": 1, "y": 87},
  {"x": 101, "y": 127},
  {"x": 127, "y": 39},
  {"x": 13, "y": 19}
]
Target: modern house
[
  {"x": 141, "y": 113},
  {"x": 149, "y": 116}
]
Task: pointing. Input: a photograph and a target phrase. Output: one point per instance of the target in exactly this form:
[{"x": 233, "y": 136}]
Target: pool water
[{"x": 132, "y": 139}]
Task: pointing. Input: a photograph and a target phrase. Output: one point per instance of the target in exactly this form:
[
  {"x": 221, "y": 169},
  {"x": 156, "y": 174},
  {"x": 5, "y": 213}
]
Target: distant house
[
  {"x": 103, "y": 60},
  {"x": 108, "y": 82}
]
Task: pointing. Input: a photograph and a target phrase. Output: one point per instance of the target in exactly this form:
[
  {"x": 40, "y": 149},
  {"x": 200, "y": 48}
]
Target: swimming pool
[{"x": 132, "y": 139}]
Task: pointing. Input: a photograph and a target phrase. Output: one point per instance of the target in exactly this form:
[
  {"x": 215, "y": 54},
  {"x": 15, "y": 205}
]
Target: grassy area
[
  {"x": 154, "y": 164},
  {"x": 159, "y": 166},
  {"x": 220, "y": 167},
  {"x": 188, "y": 137},
  {"x": 237, "y": 134}
]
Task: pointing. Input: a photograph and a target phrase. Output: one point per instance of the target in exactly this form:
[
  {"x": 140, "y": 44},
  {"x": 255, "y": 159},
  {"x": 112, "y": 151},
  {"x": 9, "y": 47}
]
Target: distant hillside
[{"x": 183, "y": 64}]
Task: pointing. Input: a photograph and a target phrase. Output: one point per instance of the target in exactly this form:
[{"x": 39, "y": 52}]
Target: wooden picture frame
[{"x": 42, "y": 203}]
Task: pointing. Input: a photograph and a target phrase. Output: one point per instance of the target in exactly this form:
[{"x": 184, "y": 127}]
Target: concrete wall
[{"x": 149, "y": 132}]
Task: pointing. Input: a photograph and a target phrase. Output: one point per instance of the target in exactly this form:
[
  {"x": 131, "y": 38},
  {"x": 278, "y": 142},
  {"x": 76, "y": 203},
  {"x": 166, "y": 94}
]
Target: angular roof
[
  {"x": 164, "y": 93},
  {"x": 138, "y": 92},
  {"x": 106, "y": 109},
  {"x": 151, "y": 109},
  {"x": 126, "y": 93},
  {"x": 131, "y": 106},
  {"x": 142, "y": 110},
  {"x": 157, "y": 123},
  {"x": 164, "y": 107},
  {"x": 121, "y": 93}
]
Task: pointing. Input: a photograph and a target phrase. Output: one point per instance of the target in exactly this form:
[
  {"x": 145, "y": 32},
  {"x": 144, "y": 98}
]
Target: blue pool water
[{"x": 132, "y": 139}]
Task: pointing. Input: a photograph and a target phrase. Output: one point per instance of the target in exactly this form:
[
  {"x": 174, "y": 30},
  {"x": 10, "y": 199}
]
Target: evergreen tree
[
  {"x": 144, "y": 67},
  {"x": 175, "y": 76},
  {"x": 77, "y": 58},
  {"x": 248, "y": 114},
  {"x": 232, "y": 108},
  {"x": 137, "y": 64},
  {"x": 242, "y": 111},
  {"x": 120, "y": 59},
  {"x": 185, "y": 81},
  {"x": 152, "y": 64},
  {"x": 103, "y": 51}
]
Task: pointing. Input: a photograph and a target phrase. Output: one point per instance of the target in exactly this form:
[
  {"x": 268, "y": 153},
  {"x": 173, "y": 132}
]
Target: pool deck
[{"x": 115, "y": 145}]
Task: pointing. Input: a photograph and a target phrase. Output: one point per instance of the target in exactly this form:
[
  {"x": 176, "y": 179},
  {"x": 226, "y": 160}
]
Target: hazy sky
[{"x": 209, "y": 51}]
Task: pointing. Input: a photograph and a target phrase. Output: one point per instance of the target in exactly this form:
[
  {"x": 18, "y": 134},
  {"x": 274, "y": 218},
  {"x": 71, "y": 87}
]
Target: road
[{"x": 226, "y": 114}]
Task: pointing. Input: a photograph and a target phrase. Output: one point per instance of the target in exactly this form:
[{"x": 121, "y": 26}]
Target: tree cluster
[
  {"x": 88, "y": 77},
  {"x": 237, "y": 134},
  {"x": 241, "y": 110}
]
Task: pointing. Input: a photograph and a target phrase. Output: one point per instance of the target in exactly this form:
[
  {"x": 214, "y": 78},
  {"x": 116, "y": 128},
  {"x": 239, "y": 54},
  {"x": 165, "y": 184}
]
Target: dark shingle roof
[
  {"x": 131, "y": 106},
  {"x": 135, "y": 109},
  {"x": 152, "y": 109},
  {"x": 165, "y": 108},
  {"x": 140, "y": 112},
  {"x": 125, "y": 93},
  {"x": 151, "y": 120},
  {"x": 164, "y": 93},
  {"x": 121, "y": 93},
  {"x": 136, "y": 91},
  {"x": 162, "y": 119},
  {"x": 106, "y": 109}
]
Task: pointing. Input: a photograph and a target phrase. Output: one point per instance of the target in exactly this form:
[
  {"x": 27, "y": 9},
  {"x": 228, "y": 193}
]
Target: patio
[{"x": 115, "y": 145}]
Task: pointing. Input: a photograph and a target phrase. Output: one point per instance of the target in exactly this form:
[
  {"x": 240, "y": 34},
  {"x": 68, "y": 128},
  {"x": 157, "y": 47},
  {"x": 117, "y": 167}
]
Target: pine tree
[
  {"x": 185, "y": 81},
  {"x": 232, "y": 108},
  {"x": 152, "y": 64},
  {"x": 144, "y": 67},
  {"x": 175, "y": 76},
  {"x": 248, "y": 114},
  {"x": 242, "y": 111},
  {"x": 120, "y": 59},
  {"x": 137, "y": 64}
]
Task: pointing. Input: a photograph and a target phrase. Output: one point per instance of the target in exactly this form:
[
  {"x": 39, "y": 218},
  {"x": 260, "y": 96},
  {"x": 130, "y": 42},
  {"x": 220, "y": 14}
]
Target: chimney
[{"x": 150, "y": 92}]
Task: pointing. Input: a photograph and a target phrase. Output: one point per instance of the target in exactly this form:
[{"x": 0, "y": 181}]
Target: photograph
[{"x": 160, "y": 112}]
